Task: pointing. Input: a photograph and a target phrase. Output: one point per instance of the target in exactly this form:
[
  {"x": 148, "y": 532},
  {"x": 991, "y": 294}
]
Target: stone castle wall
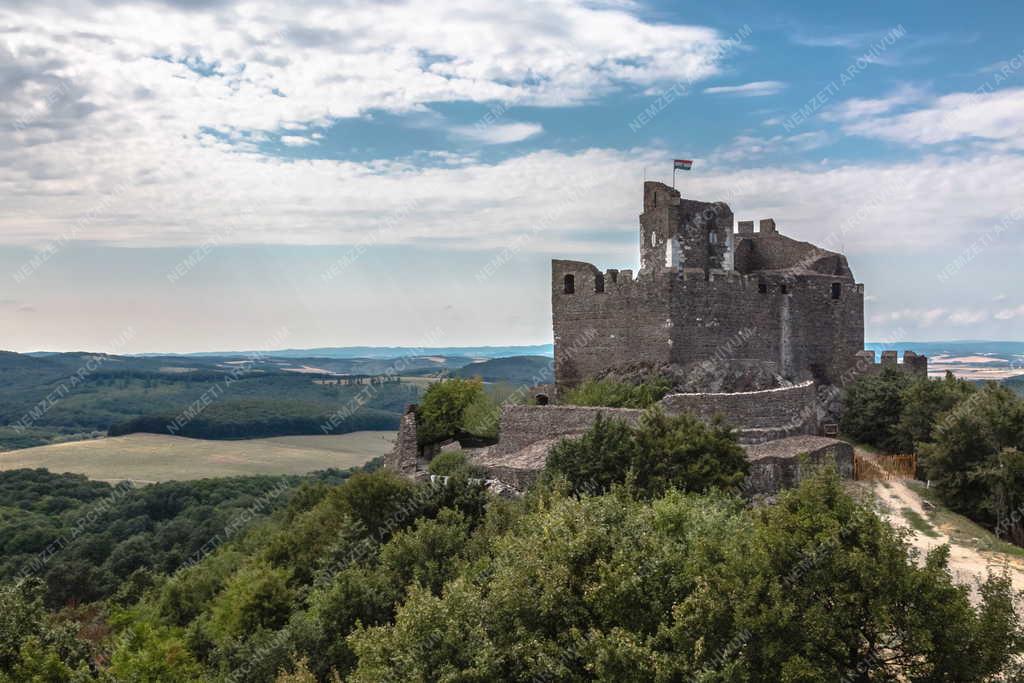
[
  {"x": 701, "y": 284},
  {"x": 521, "y": 426},
  {"x": 913, "y": 364},
  {"x": 810, "y": 326},
  {"x": 792, "y": 321},
  {"x": 404, "y": 456},
  {"x": 768, "y": 409},
  {"x": 785, "y": 463},
  {"x": 608, "y": 320}
]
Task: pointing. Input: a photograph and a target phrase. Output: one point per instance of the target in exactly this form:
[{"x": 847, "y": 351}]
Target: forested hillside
[
  {"x": 627, "y": 578},
  {"x": 45, "y": 399},
  {"x": 84, "y": 539}
]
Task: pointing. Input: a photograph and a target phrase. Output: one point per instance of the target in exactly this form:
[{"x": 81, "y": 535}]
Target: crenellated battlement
[
  {"x": 913, "y": 363},
  {"x": 702, "y": 279},
  {"x": 766, "y": 226}
]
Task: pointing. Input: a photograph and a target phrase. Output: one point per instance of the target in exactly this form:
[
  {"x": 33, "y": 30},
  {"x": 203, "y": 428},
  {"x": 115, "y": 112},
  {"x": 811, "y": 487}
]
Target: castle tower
[{"x": 683, "y": 233}]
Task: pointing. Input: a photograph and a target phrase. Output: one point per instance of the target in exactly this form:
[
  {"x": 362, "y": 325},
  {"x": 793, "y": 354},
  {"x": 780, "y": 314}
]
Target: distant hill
[
  {"x": 386, "y": 352},
  {"x": 70, "y": 396},
  {"x": 260, "y": 395},
  {"x": 529, "y": 370}
]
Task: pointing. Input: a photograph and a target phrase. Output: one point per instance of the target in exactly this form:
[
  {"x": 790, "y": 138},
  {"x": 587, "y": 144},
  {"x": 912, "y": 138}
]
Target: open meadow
[{"x": 148, "y": 458}]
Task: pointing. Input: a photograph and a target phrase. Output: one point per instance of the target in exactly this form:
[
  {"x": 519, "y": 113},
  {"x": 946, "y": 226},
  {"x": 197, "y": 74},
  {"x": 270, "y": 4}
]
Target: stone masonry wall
[
  {"x": 597, "y": 330},
  {"x": 772, "y": 408},
  {"x": 913, "y": 364},
  {"x": 403, "y": 457},
  {"x": 792, "y": 321},
  {"x": 783, "y": 464},
  {"x": 520, "y": 426}
]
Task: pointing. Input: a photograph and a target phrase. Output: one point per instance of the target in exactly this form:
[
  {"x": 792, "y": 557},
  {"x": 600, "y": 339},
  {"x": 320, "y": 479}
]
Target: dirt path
[{"x": 967, "y": 564}]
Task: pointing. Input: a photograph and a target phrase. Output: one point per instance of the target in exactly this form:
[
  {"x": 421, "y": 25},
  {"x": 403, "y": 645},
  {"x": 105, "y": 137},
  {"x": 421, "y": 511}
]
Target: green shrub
[
  {"x": 659, "y": 453},
  {"x": 480, "y": 418},
  {"x": 441, "y": 414},
  {"x": 872, "y": 408},
  {"x": 611, "y": 394},
  {"x": 448, "y": 463}
]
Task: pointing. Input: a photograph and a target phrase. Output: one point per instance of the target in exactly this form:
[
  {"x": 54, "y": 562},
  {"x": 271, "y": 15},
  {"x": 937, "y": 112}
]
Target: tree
[
  {"x": 658, "y": 453},
  {"x": 968, "y": 464},
  {"x": 872, "y": 408},
  {"x": 923, "y": 402},
  {"x": 686, "y": 587},
  {"x": 257, "y": 597},
  {"x": 441, "y": 413}
]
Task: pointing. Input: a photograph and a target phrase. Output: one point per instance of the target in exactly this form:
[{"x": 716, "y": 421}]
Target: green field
[{"x": 148, "y": 458}]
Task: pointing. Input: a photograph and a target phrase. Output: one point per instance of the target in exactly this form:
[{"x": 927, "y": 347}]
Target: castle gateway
[{"x": 705, "y": 292}]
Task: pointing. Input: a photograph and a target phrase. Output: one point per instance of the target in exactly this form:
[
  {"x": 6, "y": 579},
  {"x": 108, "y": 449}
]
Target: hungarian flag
[{"x": 682, "y": 164}]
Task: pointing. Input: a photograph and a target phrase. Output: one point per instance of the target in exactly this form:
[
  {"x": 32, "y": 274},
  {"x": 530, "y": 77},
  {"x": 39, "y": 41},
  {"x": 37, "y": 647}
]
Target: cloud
[
  {"x": 499, "y": 133},
  {"x": 754, "y": 89},
  {"x": 316, "y": 61},
  {"x": 857, "y": 108},
  {"x": 297, "y": 141},
  {"x": 991, "y": 116},
  {"x": 967, "y": 317},
  {"x": 921, "y": 318},
  {"x": 746, "y": 147},
  {"x": 1010, "y": 313}
]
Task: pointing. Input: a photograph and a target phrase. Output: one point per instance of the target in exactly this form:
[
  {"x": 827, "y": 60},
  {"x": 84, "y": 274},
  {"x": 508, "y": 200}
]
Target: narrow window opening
[
  {"x": 784, "y": 289},
  {"x": 654, "y": 239},
  {"x": 762, "y": 288},
  {"x": 599, "y": 283},
  {"x": 570, "y": 284},
  {"x": 712, "y": 238},
  {"x": 837, "y": 289}
]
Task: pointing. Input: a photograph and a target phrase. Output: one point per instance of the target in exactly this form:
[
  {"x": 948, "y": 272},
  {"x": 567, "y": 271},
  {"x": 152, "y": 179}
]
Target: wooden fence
[{"x": 867, "y": 467}]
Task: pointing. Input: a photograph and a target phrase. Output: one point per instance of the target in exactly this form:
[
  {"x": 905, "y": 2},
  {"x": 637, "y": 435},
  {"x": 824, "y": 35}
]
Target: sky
[{"x": 190, "y": 176}]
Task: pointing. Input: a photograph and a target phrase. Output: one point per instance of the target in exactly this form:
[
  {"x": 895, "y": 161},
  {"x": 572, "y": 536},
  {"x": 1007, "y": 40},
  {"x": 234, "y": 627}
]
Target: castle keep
[{"x": 704, "y": 289}]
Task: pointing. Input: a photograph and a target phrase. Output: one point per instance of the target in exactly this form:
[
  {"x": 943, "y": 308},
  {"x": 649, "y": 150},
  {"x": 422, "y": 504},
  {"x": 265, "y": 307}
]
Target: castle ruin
[
  {"x": 755, "y": 327},
  {"x": 701, "y": 284}
]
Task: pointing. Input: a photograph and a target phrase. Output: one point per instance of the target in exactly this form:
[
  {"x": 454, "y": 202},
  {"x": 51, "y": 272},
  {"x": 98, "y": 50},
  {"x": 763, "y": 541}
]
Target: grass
[
  {"x": 961, "y": 529},
  {"x": 148, "y": 458},
  {"x": 918, "y": 523}
]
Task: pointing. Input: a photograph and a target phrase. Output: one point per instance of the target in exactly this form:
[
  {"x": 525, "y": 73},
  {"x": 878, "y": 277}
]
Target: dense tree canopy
[
  {"x": 660, "y": 452},
  {"x": 380, "y": 579},
  {"x": 970, "y": 440}
]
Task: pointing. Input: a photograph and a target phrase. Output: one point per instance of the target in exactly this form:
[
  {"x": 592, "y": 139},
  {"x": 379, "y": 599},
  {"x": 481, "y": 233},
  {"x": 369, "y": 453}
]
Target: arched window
[
  {"x": 599, "y": 283},
  {"x": 570, "y": 284}
]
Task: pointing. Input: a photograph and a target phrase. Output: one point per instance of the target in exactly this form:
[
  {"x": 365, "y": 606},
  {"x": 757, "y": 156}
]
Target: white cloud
[
  {"x": 913, "y": 316},
  {"x": 967, "y": 317},
  {"x": 754, "y": 89},
  {"x": 992, "y": 116},
  {"x": 119, "y": 137},
  {"x": 746, "y": 147},
  {"x": 499, "y": 133},
  {"x": 857, "y": 108},
  {"x": 271, "y": 65},
  {"x": 296, "y": 141},
  {"x": 1010, "y": 313}
]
